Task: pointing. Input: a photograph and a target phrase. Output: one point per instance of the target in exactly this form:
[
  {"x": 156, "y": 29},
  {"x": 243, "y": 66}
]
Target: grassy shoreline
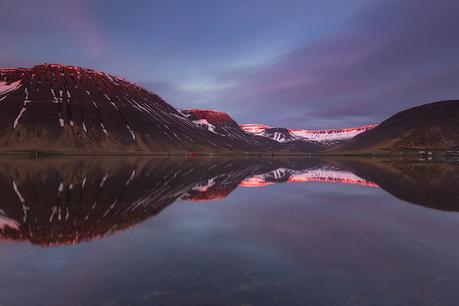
[{"x": 398, "y": 154}]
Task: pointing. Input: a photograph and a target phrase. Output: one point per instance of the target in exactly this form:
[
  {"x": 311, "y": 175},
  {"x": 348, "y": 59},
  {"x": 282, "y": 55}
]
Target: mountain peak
[
  {"x": 215, "y": 121},
  {"x": 62, "y": 108},
  {"x": 209, "y": 115}
]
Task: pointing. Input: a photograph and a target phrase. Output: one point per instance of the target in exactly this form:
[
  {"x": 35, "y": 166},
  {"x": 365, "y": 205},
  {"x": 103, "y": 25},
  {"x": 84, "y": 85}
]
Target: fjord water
[{"x": 213, "y": 231}]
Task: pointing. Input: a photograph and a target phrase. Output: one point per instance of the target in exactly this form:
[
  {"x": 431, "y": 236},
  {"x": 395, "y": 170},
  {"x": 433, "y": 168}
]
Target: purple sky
[{"x": 296, "y": 64}]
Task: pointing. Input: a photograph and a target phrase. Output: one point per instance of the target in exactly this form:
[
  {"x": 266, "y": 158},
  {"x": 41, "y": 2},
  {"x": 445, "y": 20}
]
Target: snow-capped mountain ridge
[{"x": 322, "y": 136}]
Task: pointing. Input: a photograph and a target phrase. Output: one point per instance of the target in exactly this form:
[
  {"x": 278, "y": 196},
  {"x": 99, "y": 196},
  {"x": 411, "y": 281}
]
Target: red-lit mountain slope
[{"x": 70, "y": 109}]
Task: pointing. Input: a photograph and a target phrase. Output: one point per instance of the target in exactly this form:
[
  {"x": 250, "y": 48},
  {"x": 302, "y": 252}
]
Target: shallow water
[{"x": 136, "y": 231}]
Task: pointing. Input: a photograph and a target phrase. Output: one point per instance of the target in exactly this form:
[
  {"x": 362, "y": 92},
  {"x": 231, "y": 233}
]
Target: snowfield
[
  {"x": 6, "y": 88},
  {"x": 331, "y": 135}
]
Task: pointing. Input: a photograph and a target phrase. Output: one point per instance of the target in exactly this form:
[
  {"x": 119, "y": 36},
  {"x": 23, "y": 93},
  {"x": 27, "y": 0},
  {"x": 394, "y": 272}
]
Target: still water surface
[{"x": 135, "y": 231}]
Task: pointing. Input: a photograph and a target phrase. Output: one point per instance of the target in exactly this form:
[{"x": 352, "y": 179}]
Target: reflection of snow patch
[
  {"x": 22, "y": 200},
  {"x": 7, "y": 222},
  {"x": 255, "y": 181},
  {"x": 203, "y": 187},
  {"x": 104, "y": 179},
  {"x": 327, "y": 175},
  {"x": 130, "y": 178},
  {"x": 60, "y": 189},
  {"x": 15, "y": 187},
  {"x": 279, "y": 173},
  {"x": 308, "y": 175}
]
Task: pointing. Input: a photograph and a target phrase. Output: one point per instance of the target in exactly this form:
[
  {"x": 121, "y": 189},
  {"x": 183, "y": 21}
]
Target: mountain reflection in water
[{"x": 62, "y": 201}]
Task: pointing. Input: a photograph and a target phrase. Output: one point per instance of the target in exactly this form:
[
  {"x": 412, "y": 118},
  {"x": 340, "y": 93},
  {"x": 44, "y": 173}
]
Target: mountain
[
  {"x": 433, "y": 126},
  {"x": 325, "y": 137},
  {"x": 222, "y": 124},
  {"x": 70, "y": 109}
]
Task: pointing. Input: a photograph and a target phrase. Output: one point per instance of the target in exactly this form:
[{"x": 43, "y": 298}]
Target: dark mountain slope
[{"x": 430, "y": 126}]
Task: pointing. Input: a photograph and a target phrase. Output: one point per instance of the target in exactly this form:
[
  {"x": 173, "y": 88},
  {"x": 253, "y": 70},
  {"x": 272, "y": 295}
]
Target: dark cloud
[
  {"x": 393, "y": 56},
  {"x": 364, "y": 74}
]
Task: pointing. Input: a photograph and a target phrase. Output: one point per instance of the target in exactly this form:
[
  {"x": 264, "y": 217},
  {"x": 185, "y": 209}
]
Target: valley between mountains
[{"x": 72, "y": 110}]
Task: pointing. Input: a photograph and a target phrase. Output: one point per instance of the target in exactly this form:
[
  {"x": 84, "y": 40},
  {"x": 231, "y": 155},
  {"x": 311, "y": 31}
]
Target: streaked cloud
[{"x": 299, "y": 64}]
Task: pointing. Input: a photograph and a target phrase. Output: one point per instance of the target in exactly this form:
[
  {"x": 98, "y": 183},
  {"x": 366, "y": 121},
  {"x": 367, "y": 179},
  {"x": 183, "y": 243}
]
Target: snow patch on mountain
[
  {"x": 7, "y": 88},
  {"x": 279, "y": 137},
  {"x": 206, "y": 124},
  {"x": 257, "y": 129},
  {"x": 330, "y": 135}
]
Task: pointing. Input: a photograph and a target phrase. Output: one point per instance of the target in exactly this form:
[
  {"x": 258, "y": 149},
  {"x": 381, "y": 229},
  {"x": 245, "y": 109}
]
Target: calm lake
[{"x": 228, "y": 231}]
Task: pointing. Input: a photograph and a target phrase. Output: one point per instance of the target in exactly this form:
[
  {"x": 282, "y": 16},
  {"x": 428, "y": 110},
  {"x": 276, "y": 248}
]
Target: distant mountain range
[
  {"x": 222, "y": 124},
  {"x": 69, "y": 109},
  {"x": 327, "y": 137}
]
